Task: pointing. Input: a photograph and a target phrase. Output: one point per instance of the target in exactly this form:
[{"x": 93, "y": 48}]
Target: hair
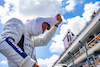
[{"x": 48, "y": 25}]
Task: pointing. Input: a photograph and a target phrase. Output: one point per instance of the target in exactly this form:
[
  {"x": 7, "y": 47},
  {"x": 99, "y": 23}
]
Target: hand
[
  {"x": 36, "y": 65},
  {"x": 58, "y": 19}
]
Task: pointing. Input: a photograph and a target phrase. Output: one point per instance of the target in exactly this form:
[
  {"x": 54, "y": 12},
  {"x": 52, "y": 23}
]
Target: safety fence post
[
  {"x": 72, "y": 59},
  {"x": 86, "y": 52},
  {"x": 94, "y": 60}
]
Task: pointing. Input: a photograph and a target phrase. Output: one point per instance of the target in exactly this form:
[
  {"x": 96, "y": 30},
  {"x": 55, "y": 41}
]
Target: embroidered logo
[{"x": 26, "y": 44}]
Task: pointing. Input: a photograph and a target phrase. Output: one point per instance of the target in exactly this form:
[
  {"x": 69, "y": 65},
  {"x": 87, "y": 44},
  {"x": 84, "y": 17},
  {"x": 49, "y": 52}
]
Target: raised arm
[{"x": 41, "y": 41}]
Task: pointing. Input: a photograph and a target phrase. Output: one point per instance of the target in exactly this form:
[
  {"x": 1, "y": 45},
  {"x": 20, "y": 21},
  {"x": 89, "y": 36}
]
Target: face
[{"x": 45, "y": 26}]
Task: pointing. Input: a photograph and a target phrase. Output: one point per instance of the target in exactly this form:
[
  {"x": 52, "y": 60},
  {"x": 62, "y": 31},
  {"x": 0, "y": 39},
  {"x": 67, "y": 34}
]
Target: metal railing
[{"x": 82, "y": 50}]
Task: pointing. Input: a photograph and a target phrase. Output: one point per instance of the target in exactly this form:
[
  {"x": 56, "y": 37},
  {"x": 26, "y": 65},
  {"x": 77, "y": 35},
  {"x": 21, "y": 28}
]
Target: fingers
[
  {"x": 58, "y": 14},
  {"x": 59, "y": 17},
  {"x": 36, "y": 65}
]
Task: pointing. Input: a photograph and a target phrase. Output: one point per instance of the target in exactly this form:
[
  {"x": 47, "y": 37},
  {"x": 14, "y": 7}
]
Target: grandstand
[{"x": 84, "y": 51}]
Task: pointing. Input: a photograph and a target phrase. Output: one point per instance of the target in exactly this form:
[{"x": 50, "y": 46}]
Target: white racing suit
[{"x": 11, "y": 35}]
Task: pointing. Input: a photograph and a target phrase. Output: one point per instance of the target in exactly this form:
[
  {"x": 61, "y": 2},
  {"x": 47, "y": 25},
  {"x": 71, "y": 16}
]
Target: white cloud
[
  {"x": 64, "y": 20},
  {"x": 89, "y": 8},
  {"x": 71, "y": 5},
  {"x": 4, "y": 9},
  {"x": 81, "y": 1},
  {"x": 48, "y": 62},
  {"x": 57, "y": 46},
  {"x": 29, "y": 9},
  {"x": 4, "y": 62},
  {"x": 76, "y": 24},
  {"x": 39, "y": 7},
  {"x": 9, "y": 10}
]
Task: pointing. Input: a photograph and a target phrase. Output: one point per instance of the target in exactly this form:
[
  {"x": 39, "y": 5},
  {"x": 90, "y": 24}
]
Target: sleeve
[
  {"x": 43, "y": 41},
  {"x": 11, "y": 35},
  {"x": 50, "y": 20}
]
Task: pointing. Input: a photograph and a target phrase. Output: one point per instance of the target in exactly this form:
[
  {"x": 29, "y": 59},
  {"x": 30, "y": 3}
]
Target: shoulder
[{"x": 15, "y": 22}]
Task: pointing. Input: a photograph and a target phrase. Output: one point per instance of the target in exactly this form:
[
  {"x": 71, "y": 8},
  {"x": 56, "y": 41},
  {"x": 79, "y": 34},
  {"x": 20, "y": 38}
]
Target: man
[{"x": 17, "y": 40}]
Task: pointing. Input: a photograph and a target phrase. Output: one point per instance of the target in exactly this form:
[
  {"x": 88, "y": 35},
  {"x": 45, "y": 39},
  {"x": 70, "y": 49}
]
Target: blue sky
[{"x": 75, "y": 14}]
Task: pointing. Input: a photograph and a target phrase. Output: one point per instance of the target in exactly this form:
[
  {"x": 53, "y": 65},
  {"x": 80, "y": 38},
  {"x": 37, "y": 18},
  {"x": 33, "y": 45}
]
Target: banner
[{"x": 69, "y": 37}]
